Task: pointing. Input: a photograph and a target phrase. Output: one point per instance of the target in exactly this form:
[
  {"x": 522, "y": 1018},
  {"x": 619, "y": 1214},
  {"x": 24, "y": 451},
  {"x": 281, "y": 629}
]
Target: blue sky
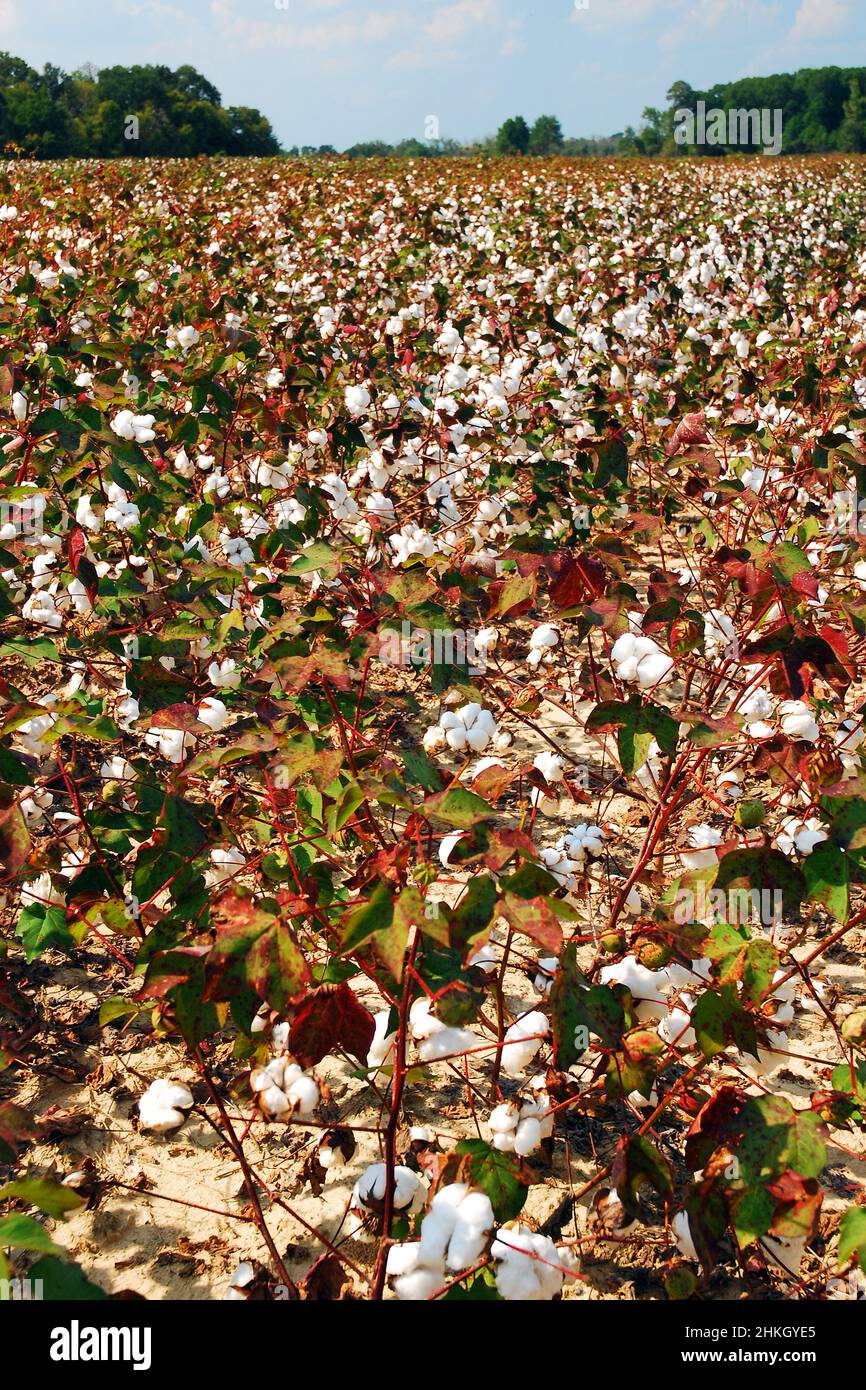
[{"x": 337, "y": 71}]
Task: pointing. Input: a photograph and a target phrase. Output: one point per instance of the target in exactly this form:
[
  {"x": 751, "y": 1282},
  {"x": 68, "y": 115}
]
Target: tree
[
  {"x": 546, "y": 136},
  {"x": 852, "y": 132},
  {"x": 513, "y": 136}
]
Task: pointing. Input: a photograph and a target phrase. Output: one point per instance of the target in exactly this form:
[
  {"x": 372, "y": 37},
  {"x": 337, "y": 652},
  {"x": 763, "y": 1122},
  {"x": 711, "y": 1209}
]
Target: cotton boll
[
  {"x": 224, "y": 674},
  {"x": 583, "y": 840},
  {"x": 683, "y": 1236},
  {"x": 800, "y": 836},
  {"x": 528, "y": 1266},
  {"x": 419, "y": 1285},
  {"x": 519, "y": 1045},
  {"x": 381, "y": 1051},
  {"x": 702, "y": 855},
  {"x": 448, "y": 845},
  {"x": 301, "y": 1092},
  {"x": 798, "y": 721},
  {"x": 213, "y": 713},
  {"x": 162, "y": 1106},
  {"x": 369, "y": 1190},
  {"x": 550, "y": 766},
  {"x": 172, "y": 744}
]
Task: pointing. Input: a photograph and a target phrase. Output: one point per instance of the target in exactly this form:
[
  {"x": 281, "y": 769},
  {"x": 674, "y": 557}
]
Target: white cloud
[
  {"x": 329, "y": 25},
  {"x": 8, "y": 16},
  {"x": 451, "y": 22},
  {"x": 816, "y": 18}
]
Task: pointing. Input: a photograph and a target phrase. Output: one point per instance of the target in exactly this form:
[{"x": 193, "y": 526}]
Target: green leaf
[
  {"x": 51, "y": 1197},
  {"x": 852, "y": 1237},
  {"x": 828, "y": 874},
  {"x": 42, "y": 929},
  {"x": 65, "y": 1282},
  {"x": 19, "y": 1232},
  {"x": 497, "y": 1174},
  {"x": 719, "y": 1020},
  {"x": 638, "y": 1163},
  {"x": 374, "y": 916},
  {"x": 637, "y": 725},
  {"x": 457, "y": 807}
]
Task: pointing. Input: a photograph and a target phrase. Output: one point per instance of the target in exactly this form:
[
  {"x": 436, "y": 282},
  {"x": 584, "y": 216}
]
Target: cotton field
[{"x": 433, "y": 803}]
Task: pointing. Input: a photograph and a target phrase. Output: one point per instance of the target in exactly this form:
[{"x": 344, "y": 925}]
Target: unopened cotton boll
[{"x": 163, "y": 1106}]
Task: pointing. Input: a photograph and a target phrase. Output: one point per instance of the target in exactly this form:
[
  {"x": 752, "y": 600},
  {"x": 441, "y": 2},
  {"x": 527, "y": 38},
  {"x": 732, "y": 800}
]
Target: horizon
[{"x": 466, "y": 64}]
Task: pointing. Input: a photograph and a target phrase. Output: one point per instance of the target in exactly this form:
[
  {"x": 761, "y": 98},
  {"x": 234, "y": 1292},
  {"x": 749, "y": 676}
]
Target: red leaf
[{"x": 330, "y": 1017}]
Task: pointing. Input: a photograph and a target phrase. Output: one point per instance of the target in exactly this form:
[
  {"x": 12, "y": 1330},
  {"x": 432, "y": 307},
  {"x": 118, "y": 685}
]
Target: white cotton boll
[
  {"x": 798, "y": 721},
  {"x": 683, "y": 1236},
  {"x": 408, "y": 1188},
  {"x": 213, "y": 713},
  {"x": 436, "y": 1232},
  {"x": 382, "y": 1047},
  {"x": 303, "y": 1094},
  {"x": 418, "y": 1285},
  {"x": 582, "y": 840},
  {"x": 127, "y": 712},
  {"x": 187, "y": 337},
  {"x": 703, "y": 839},
  {"x": 641, "y": 982},
  {"x": 448, "y": 845},
  {"x": 527, "y": 1136},
  {"x": 528, "y": 1266},
  {"x": 224, "y": 674},
  {"x": 447, "y": 1042},
  {"x": 800, "y": 836},
  {"x": 519, "y": 1045},
  {"x": 402, "y": 1258},
  {"x": 785, "y": 1252},
  {"x": 19, "y": 406},
  {"x": 225, "y": 863},
  {"x": 172, "y": 744},
  {"x": 357, "y": 400},
  {"x": 86, "y": 516},
  {"x": 275, "y": 1102},
  {"x": 162, "y": 1106},
  {"x": 676, "y": 1028},
  {"x": 550, "y": 766},
  {"x": 653, "y": 670}
]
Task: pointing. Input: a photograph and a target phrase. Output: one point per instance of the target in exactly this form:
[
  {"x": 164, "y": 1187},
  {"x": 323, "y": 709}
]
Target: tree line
[
  {"x": 152, "y": 110},
  {"x": 116, "y": 111}
]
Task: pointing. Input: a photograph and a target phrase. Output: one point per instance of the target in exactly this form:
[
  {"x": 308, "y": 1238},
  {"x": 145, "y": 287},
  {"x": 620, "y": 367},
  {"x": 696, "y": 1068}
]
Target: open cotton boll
[
  {"x": 542, "y": 643},
  {"x": 241, "y": 1279},
  {"x": 582, "y": 840},
  {"x": 226, "y": 862},
  {"x": 640, "y": 659},
  {"x": 785, "y": 1252},
  {"x": 213, "y": 713},
  {"x": 163, "y": 1106},
  {"x": 641, "y": 982},
  {"x": 797, "y": 720},
  {"x": 448, "y": 845},
  {"x": 369, "y": 1190},
  {"x": 545, "y": 974},
  {"x": 172, "y": 744},
  {"x": 702, "y": 855},
  {"x": 800, "y": 836},
  {"x": 683, "y": 1236},
  {"x": 382, "y": 1047},
  {"x": 557, "y": 863},
  {"x": 529, "y": 1268},
  {"x": 550, "y": 766},
  {"x": 522, "y": 1041},
  {"x": 676, "y": 1026}
]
